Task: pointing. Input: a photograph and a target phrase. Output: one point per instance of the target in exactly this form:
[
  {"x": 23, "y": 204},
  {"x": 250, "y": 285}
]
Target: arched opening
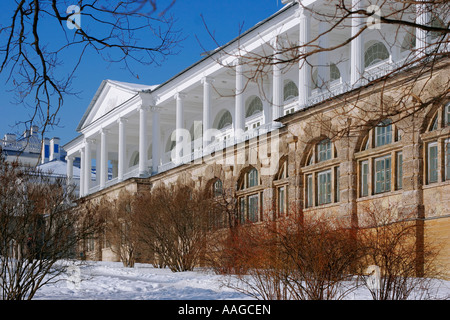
[
  {"x": 375, "y": 52},
  {"x": 253, "y": 106}
]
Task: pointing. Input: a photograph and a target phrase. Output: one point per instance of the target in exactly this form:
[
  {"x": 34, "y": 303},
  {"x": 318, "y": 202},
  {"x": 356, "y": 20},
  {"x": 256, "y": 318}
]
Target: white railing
[{"x": 336, "y": 88}]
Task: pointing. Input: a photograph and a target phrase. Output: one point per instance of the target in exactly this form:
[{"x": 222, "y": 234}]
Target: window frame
[
  {"x": 384, "y": 132},
  {"x": 250, "y": 196},
  {"x": 386, "y": 172},
  {"x": 324, "y": 191},
  {"x": 432, "y": 177},
  {"x": 399, "y": 170},
  {"x": 447, "y": 159}
]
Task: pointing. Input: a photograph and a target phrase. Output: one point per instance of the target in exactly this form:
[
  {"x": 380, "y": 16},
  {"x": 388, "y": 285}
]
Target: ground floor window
[
  {"x": 282, "y": 200},
  {"x": 322, "y": 187},
  {"x": 399, "y": 169},
  {"x": 250, "y": 207},
  {"x": 383, "y": 174},
  {"x": 432, "y": 161},
  {"x": 447, "y": 159},
  {"x": 364, "y": 167}
]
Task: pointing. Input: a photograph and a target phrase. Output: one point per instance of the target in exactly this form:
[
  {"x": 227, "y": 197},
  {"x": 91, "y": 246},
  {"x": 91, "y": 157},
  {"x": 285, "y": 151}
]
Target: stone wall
[{"x": 349, "y": 122}]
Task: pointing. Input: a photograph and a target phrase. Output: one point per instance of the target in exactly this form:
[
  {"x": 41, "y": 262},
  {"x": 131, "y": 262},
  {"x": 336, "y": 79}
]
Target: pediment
[{"x": 110, "y": 95}]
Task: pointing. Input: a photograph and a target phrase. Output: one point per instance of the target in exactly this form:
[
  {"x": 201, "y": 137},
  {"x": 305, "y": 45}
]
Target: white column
[
  {"x": 156, "y": 139},
  {"x": 304, "y": 88},
  {"x": 206, "y": 110},
  {"x": 143, "y": 144},
  {"x": 103, "y": 158},
  {"x": 87, "y": 165},
  {"x": 239, "y": 113},
  {"x": 323, "y": 65},
  {"x": 423, "y": 16},
  {"x": 277, "y": 90},
  {"x": 179, "y": 126},
  {"x": 356, "y": 54},
  {"x": 122, "y": 152},
  {"x": 69, "y": 170},
  {"x": 82, "y": 170}
]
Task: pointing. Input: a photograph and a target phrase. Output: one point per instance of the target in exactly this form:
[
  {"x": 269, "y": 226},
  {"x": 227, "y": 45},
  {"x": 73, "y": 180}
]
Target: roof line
[{"x": 221, "y": 48}]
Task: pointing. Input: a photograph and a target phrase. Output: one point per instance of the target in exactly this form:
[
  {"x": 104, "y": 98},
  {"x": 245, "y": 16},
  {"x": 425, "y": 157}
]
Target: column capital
[
  {"x": 89, "y": 141},
  {"x": 70, "y": 157},
  {"x": 147, "y": 99},
  {"x": 179, "y": 95},
  {"x": 104, "y": 131},
  {"x": 122, "y": 120},
  {"x": 207, "y": 79},
  {"x": 143, "y": 107},
  {"x": 302, "y": 12},
  {"x": 155, "y": 109},
  {"x": 238, "y": 62}
]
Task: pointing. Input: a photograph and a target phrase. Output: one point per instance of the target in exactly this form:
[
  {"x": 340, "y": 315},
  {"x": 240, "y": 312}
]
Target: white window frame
[
  {"x": 324, "y": 189},
  {"x": 399, "y": 170},
  {"x": 383, "y": 134},
  {"x": 386, "y": 183},
  {"x": 447, "y": 158},
  {"x": 365, "y": 175},
  {"x": 435, "y": 173},
  {"x": 309, "y": 191}
]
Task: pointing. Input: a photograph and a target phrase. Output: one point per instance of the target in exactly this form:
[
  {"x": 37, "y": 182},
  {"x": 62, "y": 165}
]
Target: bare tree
[
  {"x": 172, "y": 224},
  {"x": 40, "y": 230},
  {"x": 124, "y": 33},
  {"x": 400, "y": 262},
  {"x": 292, "y": 258},
  {"x": 121, "y": 229}
]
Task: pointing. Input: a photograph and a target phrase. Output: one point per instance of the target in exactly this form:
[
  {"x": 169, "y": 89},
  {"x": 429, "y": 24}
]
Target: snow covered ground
[{"x": 111, "y": 281}]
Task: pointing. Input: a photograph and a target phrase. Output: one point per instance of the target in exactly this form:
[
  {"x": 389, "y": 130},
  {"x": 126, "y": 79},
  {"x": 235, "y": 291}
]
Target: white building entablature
[{"x": 132, "y": 130}]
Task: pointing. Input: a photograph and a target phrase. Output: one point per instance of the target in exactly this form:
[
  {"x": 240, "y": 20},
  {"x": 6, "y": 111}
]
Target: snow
[
  {"x": 57, "y": 168},
  {"x": 112, "y": 281}
]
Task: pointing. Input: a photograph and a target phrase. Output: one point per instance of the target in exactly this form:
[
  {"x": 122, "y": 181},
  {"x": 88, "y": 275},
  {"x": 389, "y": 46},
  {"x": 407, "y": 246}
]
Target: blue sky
[{"x": 223, "y": 18}]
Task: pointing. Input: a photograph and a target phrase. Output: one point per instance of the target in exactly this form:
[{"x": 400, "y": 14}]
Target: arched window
[
  {"x": 225, "y": 120},
  {"x": 249, "y": 196},
  {"x": 254, "y": 105},
  {"x": 290, "y": 90},
  {"x": 383, "y": 133},
  {"x": 409, "y": 41},
  {"x": 321, "y": 175},
  {"x": 334, "y": 74},
  {"x": 434, "y": 123},
  {"x": 281, "y": 185},
  {"x": 375, "y": 53},
  {"x": 437, "y": 23},
  {"x": 324, "y": 150},
  {"x": 252, "y": 178},
  {"x": 437, "y": 147},
  {"x": 380, "y": 170},
  {"x": 217, "y": 188}
]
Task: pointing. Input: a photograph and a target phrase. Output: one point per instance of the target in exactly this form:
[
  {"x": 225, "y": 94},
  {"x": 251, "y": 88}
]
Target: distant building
[{"x": 47, "y": 155}]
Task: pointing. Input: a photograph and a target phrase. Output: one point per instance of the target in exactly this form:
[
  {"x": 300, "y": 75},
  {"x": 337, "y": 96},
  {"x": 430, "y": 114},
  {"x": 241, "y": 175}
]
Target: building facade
[{"x": 320, "y": 135}]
